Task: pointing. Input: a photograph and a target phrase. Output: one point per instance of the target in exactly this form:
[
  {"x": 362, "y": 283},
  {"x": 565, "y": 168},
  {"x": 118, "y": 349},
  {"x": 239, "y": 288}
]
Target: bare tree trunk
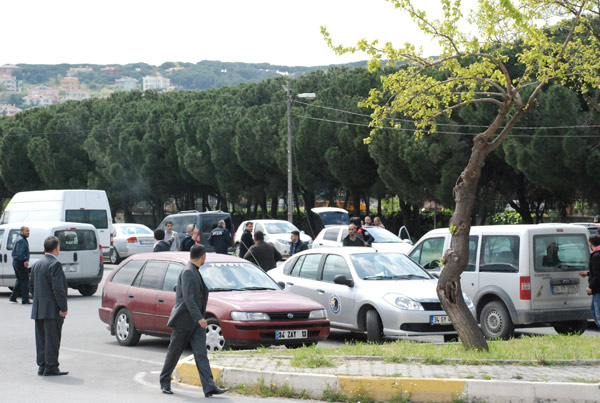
[{"x": 274, "y": 206}]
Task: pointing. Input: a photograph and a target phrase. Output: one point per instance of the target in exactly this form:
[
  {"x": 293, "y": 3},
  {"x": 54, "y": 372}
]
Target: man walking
[
  {"x": 49, "y": 309},
  {"x": 20, "y": 255},
  {"x": 297, "y": 244},
  {"x": 188, "y": 322},
  {"x": 262, "y": 254},
  {"x": 246, "y": 242},
  {"x": 220, "y": 238}
]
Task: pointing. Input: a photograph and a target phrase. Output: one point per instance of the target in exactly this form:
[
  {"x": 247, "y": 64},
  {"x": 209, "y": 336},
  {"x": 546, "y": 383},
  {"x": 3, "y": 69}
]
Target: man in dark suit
[
  {"x": 263, "y": 254},
  {"x": 188, "y": 322},
  {"x": 297, "y": 245},
  {"x": 161, "y": 245},
  {"x": 246, "y": 241},
  {"x": 49, "y": 309}
]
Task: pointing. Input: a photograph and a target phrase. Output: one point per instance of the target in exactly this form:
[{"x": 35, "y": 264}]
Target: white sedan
[
  {"x": 385, "y": 294},
  {"x": 385, "y": 241},
  {"x": 129, "y": 239}
]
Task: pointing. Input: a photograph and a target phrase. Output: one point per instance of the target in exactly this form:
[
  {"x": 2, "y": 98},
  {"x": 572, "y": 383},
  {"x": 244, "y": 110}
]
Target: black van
[{"x": 206, "y": 221}]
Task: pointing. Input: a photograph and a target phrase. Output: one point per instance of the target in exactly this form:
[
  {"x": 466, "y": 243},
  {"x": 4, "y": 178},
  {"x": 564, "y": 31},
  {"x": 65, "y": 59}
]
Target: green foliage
[{"x": 507, "y": 217}]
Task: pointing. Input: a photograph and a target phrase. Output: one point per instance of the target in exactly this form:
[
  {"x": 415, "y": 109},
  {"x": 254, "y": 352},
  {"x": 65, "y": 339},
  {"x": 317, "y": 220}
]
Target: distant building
[
  {"x": 8, "y": 81},
  {"x": 41, "y": 96},
  {"x": 9, "y": 69},
  {"x": 69, "y": 84},
  {"x": 172, "y": 69},
  {"x": 73, "y": 71},
  {"x": 110, "y": 69},
  {"x": 158, "y": 83},
  {"x": 9, "y": 110},
  {"x": 77, "y": 95},
  {"x": 126, "y": 83}
]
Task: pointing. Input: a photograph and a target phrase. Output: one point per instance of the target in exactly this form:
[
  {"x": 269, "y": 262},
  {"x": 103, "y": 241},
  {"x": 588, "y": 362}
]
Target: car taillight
[
  {"x": 525, "y": 287},
  {"x": 100, "y": 246},
  {"x": 131, "y": 239},
  {"x": 112, "y": 240}
]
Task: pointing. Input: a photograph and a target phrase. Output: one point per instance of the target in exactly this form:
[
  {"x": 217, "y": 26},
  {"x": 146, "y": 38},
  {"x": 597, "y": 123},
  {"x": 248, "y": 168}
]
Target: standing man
[
  {"x": 351, "y": 239},
  {"x": 20, "y": 255},
  {"x": 220, "y": 238},
  {"x": 161, "y": 245},
  {"x": 246, "y": 242},
  {"x": 361, "y": 232},
  {"x": 170, "y": 234},
  {"x": 593, "y": 288},
  {"x": 49, "y": 309},
  {"x": 189, "y": 239},
  {"x": 377, "y": 222},
  {"x": 262, "y": 254},
  {"x": 297, "y": 244},
  {"x": 188, "y": 322},
  {"x": 368, "y": 221}
]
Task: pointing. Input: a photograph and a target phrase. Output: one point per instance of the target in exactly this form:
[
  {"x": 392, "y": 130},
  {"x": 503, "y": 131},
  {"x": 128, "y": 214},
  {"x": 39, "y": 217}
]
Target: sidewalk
[{"x": 579, "y": 381}]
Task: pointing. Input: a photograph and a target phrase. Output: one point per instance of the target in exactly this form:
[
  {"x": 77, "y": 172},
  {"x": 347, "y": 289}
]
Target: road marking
[
  {"x": 182, "y": 389},
  {"x": 112, "y": 355}
]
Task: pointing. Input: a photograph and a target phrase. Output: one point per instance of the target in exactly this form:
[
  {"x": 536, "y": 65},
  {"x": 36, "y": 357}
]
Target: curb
[{"x": 386, "y": 388}]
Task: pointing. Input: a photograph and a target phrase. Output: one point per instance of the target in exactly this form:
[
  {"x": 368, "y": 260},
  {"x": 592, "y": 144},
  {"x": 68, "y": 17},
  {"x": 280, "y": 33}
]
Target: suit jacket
[
  {"x": 246, "y": 242},
  {"x": 191, "y": 296},
  {"x": 163, "y": 246},
  {"x": 49, "y": 286},
  {"x": 300, "y": 246},
  {"x": 263, "y": 255}
]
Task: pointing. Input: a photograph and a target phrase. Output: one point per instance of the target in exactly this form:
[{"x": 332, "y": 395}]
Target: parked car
[
  {"x": 334, "y": 235},
  {"x": 380, "y": 293},
  {"x": 129, "y": 239},
  {"x": 245, "y": 306},
  {"x": 332, "y": 215},
  {"x": 519, "y": 275},
  {"x": 591, "y": 226},
  {"x": 277, "y": 233},
  {"x": 205, "y": 221}
]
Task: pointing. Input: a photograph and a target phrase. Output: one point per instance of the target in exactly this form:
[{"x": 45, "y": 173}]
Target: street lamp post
[{"x": 289, "y": 146}]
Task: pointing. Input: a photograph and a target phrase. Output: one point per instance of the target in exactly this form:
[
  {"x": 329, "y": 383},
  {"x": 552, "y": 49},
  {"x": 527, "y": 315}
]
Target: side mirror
[
  {"x": 341, "y": 279},
  {"x": 175, "y": 287},
  {"x": 281, "y": 284}
]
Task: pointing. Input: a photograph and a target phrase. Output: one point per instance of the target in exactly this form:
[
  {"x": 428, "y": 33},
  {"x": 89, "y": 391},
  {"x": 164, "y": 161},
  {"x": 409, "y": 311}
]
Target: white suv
[{"x": 519, "y": 275}]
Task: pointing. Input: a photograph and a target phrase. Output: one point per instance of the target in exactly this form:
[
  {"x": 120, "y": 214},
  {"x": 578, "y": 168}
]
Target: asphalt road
[{"x": 101, "y": 370}]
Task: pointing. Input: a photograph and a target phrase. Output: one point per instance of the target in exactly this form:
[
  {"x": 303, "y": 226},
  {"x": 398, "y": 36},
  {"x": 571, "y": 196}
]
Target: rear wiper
[
  {"x": 408, "y": 276},
  {"x": 257, "y": 288},
  {"x": 377, "y": 278},
  {"x": 220, "y": 289}
]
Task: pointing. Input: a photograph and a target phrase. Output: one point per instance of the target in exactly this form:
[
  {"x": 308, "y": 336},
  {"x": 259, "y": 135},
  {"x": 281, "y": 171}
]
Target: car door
[
  {"x": 7, "y": 274},
  {"x": 165, "y": 297},
  {"x": 142, "y": 296},
  {"x": 429, "y": 252},
  {"x": 338, "y": 299},
  {"x": 469, "y": 279},
  {"x": 303, "y": 277}
]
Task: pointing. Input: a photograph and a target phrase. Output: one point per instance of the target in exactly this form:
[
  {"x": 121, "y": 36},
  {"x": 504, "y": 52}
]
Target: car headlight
[
  {"x": 468, "y": 301},
  {"x": 402, "y": 302},
  {"x": 318, "y": 314},
  {"x": 235, "y": 315}
]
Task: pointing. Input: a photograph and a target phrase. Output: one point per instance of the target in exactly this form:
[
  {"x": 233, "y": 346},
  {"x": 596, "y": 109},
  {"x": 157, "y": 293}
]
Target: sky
[{"x": 279, "y": 32}]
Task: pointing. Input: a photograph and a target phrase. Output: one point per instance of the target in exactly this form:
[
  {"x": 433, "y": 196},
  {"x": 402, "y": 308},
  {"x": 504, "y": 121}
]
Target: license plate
[
  {"x": 565, "y": 289},
  {"x": 291, "y": 334},
  {"x": 439, "y": 320},
  {"x": 146, "y": 242},
  {"x": 70, "y": 268}
]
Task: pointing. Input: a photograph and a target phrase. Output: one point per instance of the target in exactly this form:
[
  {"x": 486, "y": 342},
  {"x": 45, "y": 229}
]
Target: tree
[{"x": 473, "y": 70}]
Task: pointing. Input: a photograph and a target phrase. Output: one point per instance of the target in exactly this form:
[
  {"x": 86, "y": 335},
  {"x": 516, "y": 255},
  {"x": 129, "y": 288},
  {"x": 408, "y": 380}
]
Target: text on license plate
[
  {"x": 565, "y": 289},
  {"x": 439, "y": 320},
  {"x": 69, "y": 268},
  {"x": 291, "y": 334}
]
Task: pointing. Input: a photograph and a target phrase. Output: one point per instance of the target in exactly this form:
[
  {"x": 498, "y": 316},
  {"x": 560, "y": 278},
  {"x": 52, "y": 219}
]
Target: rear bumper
[
  {"x": 86, "y": 280},
  {"x": 533, "y": 317}
]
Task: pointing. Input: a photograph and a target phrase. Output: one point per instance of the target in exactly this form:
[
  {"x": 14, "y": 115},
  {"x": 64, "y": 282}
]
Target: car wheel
[
  {"x": 374, "y": 328},
  {"x": 214, "y": 336},
  {"x": 495, "y": 321},
  {"x": 88, "y": 290},
  {"x": 125, "y": 331},
  {"x": 570, "y": 327},
  {"x": 114, "y": 256},
  {"x": 299, "y": 345}
]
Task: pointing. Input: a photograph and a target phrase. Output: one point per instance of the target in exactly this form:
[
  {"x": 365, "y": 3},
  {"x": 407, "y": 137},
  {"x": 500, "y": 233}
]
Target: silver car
[
  {"x": 129, "y": 239},
  {"x": 384, "y": 294}
]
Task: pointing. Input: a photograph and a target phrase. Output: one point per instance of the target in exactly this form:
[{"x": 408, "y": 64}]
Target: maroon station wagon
[{"x": 245, "y": 306}]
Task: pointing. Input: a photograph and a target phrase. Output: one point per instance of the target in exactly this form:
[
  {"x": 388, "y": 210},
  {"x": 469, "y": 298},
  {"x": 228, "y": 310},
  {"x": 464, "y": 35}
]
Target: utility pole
[{"x": 289, "y": 152}]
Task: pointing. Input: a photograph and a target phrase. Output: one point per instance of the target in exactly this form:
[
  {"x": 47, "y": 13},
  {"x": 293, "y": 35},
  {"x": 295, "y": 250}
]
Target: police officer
[{"x": 220, "y": 238}]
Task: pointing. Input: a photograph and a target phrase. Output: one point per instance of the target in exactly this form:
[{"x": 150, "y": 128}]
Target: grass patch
[
  {"x": 263, "y": 390},
  {"x": 356, "y": 397},
  {"x": 584, "y": 380},
  {"x": 540, "y": 350}
]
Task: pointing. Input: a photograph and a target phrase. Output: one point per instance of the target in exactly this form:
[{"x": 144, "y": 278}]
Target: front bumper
[
  {"x": 397, "y": 323},
  {"x": 263, "y": 332}
]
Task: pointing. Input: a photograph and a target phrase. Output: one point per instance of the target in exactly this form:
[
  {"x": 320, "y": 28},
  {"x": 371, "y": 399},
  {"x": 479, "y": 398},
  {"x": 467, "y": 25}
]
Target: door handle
[
  {"x": 161, "y": 300},
  {"x": 321, "y": 291},
  {"x": 288, "y": 283},
  {"x": 130, "y": 296}
]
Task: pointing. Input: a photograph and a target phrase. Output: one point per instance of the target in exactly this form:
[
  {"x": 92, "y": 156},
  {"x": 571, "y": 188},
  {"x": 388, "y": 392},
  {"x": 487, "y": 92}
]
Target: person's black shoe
[
  {"x": 41, "y": 371},
  {"x": 26, "y": 302},
  {"x": 166, "y": 389},
  {"x": 54, "y": 372},
  {"x": 14, "y": 301},
  {"x": 216, "y": 391}
]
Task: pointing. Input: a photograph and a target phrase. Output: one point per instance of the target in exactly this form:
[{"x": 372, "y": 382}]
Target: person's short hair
[
  {"x": 259, "y": 236},
  {"x": 356, "y": 221},
  {"x": 197, "y": 251},
  {"x": 249, "y": 223},
  {"x": 159, "y": 234},
  {"x": 595, "y": 240},
  {"x": 189, "y": 227},
  {"x": 50, "y": 243},
  {"x": 352, "y": 226},
  {"x": 297, "y": 233},
  {"x": 23, "y": 228},
  {"x": 221, "y": 223},
  {"x": 168, "y": 222}
]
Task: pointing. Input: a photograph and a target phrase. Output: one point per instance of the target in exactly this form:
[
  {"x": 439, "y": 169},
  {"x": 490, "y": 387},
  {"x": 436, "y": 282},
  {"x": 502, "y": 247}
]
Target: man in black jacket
[
  {"x": 246, "y": 242},
  {"x": 49, "y": 308},
  {"x": 20, "y": 255},
  {"x": 161, "y": 245},
  {"x": 189, "y": 239},
  {"x": 593, "y": 288},
  {"x": 262, "y": 254},
  {"x": 297, "y": 245},
  {"x": 352, "y": 239},
  {"x": 220, "y": 238},
  {"x": 188, "y": 320}
]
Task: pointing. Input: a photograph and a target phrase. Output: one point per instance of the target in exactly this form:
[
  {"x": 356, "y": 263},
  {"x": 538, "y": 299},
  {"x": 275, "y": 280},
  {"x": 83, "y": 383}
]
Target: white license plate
[
  {"x": 291, "y": 334},
  {"x": 146, "y": 242},
  {"x": 565, "y": 289},
  {"x": 439, "y": 320},
  {"x": 70, "y": 268}
]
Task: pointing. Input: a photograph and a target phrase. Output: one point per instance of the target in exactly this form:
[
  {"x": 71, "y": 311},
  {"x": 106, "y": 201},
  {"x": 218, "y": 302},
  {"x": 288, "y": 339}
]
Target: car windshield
[
  {"x": 235, "y": 277},
  {"x": 282, "y": 227},
  {"x": 561, "y": 252},
  {"x": 134, "y": 230},
  {"x": 387, "y": 266},
  {"x": 382, "y": 235}
]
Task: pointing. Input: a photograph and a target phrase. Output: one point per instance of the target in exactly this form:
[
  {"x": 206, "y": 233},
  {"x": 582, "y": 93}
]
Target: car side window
[
  {"x": 429, "y": 254},
  {"x": 499, "y": 253},
  {"x": 127, "y": 272},
  {"x": 310, "y": 266},
  {"x": 295, "y": 270},
  {"x": 171, "y": 276},
  {"x": 331, "y": 235},
  {"x": 334, "y": 265},
  {"x": 288, "y": 266},
  {"x": 12, "y": 237},
  {"x": 473, "y": 246},
  {"x": 152, "y": 276}
]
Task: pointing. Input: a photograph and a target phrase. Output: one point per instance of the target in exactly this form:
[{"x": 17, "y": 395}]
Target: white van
[
  {"x": 80, "y": 252},
  {"x": 74, "y": 205},
  {"x": 519, "y": 275}
]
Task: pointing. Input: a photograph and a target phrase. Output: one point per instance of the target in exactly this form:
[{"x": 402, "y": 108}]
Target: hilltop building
[
  {"x": 69, "y": 84},
  {"x": 9, "y": 69},
  {"x": 41, "y": 96},
  {"x": 126, "y": 83},
  {"x": 9, "y": 110},
  {"x": 77, "y": 95},
  {"x": 157, "y": 83},
  {"x": 8, "y": 81}
]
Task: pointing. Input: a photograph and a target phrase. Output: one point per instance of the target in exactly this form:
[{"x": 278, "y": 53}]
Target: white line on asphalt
[
  {"x": 181, "y": 389},
  {"x": 112, "y": 355}
]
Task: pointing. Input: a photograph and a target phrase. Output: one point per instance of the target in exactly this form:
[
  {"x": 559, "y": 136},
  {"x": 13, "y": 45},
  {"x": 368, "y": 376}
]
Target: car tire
[
  {"x": 215, "y": 341},
  {"x": 125, "y": 331},
  {"x": 374, "y": 327},
  {"x": 88, "y": 290},
  {"x": 570, "y": 327},
  {"x": 114, "y": 257},
  {"x": 495, "y": 321}
]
